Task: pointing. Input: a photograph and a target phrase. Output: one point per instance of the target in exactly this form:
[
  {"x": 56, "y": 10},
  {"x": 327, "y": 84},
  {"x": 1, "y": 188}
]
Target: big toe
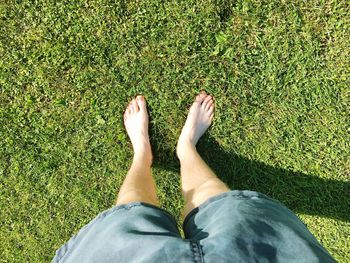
[
  {"x": 201, "y": 97},
  {"x": 141, "y": 102}
]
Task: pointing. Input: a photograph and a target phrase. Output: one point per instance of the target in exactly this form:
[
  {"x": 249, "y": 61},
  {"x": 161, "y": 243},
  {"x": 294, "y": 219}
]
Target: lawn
[{"x": 279, "y": 71}]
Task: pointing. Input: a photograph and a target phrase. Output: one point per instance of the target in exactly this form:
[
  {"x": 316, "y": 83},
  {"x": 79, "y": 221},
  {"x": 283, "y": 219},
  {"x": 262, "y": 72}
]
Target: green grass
[{"x": 279, "y": 71}]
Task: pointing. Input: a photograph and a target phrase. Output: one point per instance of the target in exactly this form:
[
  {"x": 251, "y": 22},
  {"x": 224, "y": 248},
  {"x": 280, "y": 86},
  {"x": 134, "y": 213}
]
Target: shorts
[{"x": 236, "y": 226}]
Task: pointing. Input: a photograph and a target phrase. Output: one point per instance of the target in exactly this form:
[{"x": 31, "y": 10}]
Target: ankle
[
  {"x": 143, "y": 158},
  {"x": 184, "y": 149}
]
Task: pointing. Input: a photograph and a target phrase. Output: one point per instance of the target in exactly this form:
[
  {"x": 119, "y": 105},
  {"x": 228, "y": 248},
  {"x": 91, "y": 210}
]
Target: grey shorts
[{"x": 237, "y": 226}]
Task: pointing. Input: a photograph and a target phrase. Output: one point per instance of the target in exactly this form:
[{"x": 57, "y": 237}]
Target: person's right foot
[{"x": 198, "y": 121}]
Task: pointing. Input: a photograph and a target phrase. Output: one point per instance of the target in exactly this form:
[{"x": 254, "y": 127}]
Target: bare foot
[
  {"x": 136, "y": 125},
  {"x": 198, "y": 121}
]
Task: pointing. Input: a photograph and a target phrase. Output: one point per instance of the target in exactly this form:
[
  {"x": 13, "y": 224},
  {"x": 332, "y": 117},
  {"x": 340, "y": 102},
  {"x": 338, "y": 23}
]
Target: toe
[
  {"x": 141, "y": 102},
  {"x": 206, "y": 100},
  {"x": 201, "y": 96},
  {"x": 211, "y": 110},
  {"x": 126, "y": 112},
  {"x": 131, "y": 108},
  {"x": 135, "y": 105},
  {"x": 208, "y": 105},
  {"x": 211, "y": 116},
  {"x": 125, "y": 117}
]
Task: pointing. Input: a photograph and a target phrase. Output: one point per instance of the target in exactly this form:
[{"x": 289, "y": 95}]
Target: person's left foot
[{"x": 136, "y": 125}]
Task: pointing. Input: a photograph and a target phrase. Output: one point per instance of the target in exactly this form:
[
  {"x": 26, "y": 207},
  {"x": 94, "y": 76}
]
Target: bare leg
[
  {"x": 138, "y": 185},
  {"x": 198, "y": 181}
]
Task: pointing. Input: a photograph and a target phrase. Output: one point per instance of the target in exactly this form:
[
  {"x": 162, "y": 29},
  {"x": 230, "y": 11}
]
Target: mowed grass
[{"x": 279, "y": 71}]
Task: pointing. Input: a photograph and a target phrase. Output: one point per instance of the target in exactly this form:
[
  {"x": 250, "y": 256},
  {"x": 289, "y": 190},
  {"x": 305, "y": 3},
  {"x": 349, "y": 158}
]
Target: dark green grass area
[{"x": 279, "y": 71}]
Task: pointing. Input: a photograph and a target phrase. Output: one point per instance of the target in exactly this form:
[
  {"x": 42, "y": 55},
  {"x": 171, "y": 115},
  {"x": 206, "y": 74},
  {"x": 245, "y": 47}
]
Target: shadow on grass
[{"x": 302, "y": 193}]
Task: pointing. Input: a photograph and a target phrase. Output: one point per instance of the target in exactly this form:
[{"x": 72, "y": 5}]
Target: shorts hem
[
  {"x": 135, "y": 204},
  {"x": 236, "y": 193},
  {"x": 64, "y": 249}
]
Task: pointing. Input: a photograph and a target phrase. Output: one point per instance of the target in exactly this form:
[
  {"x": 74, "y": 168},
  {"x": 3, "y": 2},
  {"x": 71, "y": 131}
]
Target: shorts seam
[{"x": 197, "y": 253}]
